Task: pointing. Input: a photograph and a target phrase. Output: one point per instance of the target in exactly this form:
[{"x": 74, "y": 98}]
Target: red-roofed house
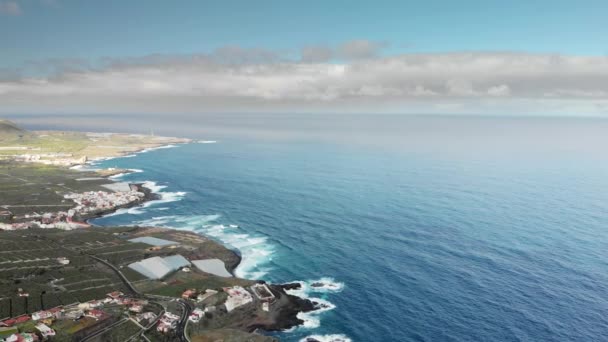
[
  {"x": 97, "y": 314},
  {"x": 188, "y": 294},
  {"x": 9, "y": 322},
  {"x": 22, "y": 319}
]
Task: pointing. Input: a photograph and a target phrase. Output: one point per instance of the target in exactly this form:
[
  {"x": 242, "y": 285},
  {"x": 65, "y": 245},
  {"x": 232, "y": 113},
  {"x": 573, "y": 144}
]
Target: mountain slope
[{"x": 10, "y": 131}]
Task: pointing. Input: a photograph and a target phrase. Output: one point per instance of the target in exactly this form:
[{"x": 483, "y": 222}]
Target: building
[
  {"x": 22, "y": 319},
  {"x": 152, "y": 241},
  {"x": 63, "y": 260},
  {"x": 212, "y": 266},
  {"x": 45, "y": 331},
  {"x": 137, "y": 308},
  {"x": 157, "y": 267},
  {"x": 5, "y": 215},
  {"x": 22, "y": 337},
  {"x": 167, "y": 322},
  {"x": 196, "y": 315},
  {"x": 190, "y": 293},
  {"x": 36, "y": 316},
  {"x": 237, "y": 296},
  {"x": 115, "y": 294},
  {"x": 96, "y": 314},
  {"x": 208, "y": 293},
  {"x": 74, "y": 314},
  {"x": 262, "y": 292}
]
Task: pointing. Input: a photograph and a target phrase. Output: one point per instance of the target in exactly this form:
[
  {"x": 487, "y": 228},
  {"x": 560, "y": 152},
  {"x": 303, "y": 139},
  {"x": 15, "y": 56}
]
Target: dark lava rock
[{"x": 291, "y": 286}]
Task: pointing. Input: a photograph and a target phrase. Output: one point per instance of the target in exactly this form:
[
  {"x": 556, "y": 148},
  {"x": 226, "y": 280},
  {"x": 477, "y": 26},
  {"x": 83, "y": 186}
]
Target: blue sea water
[{"x": 462, "y": 243}]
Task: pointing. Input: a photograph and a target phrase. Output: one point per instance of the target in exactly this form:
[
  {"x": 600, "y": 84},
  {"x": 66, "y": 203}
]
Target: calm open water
[{"x": 445, "y": 237}]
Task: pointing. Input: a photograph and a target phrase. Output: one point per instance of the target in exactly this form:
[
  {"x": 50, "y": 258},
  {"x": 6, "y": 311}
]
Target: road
[
  {"x": 186, "y": 306},
  {"x": 181, "y": 326},
  {"x": 122, "y": 276}
]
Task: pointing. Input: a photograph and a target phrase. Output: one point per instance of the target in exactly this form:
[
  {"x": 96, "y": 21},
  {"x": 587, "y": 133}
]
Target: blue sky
[
  {"x": 90, "y": 29},
  {"x": 484, "y": 49}
]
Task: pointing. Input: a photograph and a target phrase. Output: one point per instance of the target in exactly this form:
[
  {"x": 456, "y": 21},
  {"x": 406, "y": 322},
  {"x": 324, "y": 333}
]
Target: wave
[
  {"x": 146, "y": 150},
  {"x": 256, "y": 252},
  {"x": 323, "y": 285},
  {"x": 130, "y": 211},
  {"x": 207, "y": 142},
  {"x": 119, "y": 175},
  {"x": 311, "y": 319},
  {"x": 326, "y": 338},
  {"x": 307, "y": 288}
]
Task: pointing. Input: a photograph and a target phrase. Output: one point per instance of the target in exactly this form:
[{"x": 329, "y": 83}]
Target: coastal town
[{"x": 87, "y": 204}]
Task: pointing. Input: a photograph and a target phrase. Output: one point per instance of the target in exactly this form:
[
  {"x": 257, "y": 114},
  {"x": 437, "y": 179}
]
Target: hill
[{"x": 10, "y": 131}]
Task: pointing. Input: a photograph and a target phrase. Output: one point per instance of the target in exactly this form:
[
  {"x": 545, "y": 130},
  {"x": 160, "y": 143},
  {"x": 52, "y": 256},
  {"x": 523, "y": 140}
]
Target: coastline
[{"x": 293, "y": 304}]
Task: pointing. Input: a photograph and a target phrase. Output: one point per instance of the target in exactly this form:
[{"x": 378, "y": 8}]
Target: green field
[{"x": 27, "y": 188}]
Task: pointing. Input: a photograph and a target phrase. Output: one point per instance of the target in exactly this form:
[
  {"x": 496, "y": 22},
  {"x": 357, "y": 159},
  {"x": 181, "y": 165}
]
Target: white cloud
[
  {"x": 255, "y": 79},
  {"x": 10, "y": 8},
  {"x": 499, "y": 90}
]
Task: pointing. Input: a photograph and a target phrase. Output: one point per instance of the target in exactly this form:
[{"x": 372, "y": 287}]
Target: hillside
[{"x": 10, "y": 131}]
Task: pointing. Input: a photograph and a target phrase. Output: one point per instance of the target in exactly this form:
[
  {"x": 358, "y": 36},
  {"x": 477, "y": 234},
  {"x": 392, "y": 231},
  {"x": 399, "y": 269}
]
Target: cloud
[
  {"x": 239, "y": 79},
  {"x": 347, "y": 51},
  {"x": 360, "y": 49},
  {"x": 10, "y": 8}
]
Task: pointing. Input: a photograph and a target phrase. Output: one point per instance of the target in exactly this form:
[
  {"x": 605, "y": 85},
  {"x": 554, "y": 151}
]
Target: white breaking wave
[
  {"x": 207, "y": 141},
  {"x": 327, "y": 338},
  {"x": 256, "y": 251},
  {"x": 165, "y": 197},
  {"x": 311, "y": 319},
  {"x": 323, "y": 285},
  {"x": 157, "y": 148},
  {"x": 119, "y": 175},
  {"x": 130, "y": 211}
]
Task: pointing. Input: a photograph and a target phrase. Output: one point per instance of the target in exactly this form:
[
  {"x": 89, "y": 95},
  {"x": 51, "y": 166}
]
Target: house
[
  {"x": 74, "y": 314},
  {"x": 96, "y": 314},
  {"x": 237, "y": 296},
  {"x": 115, "y": 294},
  {"x": 166, "y": 327},
  {"x": 22, "y": 337},
  {"x": 9, "y": 322},
  {"x": 190, "y": 293},
  {"x": 22, "y": 319},
  {"x": 57, "y": 312},
  {"x": 93, "y": 304},
  {"x": 36, "y": 316},
  {"x": 208, "y": 293},
  {"x": 148, "y": 316},
  {"x": 63, "y": 260},
  {"x": 5, "y": 215},
  {"x": 196, "y": 315},
  {"x": 137, "y": 308},
  {"x": 45, "y": 331}
]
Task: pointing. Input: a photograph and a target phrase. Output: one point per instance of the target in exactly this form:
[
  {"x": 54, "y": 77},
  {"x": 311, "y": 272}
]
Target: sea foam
[
  {"x": 256, "y": 252},
  {"x": 327, "y": 338}
]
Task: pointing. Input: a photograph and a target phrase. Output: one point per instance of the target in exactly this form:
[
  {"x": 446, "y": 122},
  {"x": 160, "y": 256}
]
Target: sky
[{"x": 463, "y": 57}]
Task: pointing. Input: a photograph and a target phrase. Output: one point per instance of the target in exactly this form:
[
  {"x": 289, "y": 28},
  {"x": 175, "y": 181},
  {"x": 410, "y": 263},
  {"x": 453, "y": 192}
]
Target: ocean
[{"x": 483, "y": 230}]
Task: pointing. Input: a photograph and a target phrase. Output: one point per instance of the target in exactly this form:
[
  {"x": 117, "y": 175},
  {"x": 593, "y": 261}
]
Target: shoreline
[{"x": 295, "y": 305}]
